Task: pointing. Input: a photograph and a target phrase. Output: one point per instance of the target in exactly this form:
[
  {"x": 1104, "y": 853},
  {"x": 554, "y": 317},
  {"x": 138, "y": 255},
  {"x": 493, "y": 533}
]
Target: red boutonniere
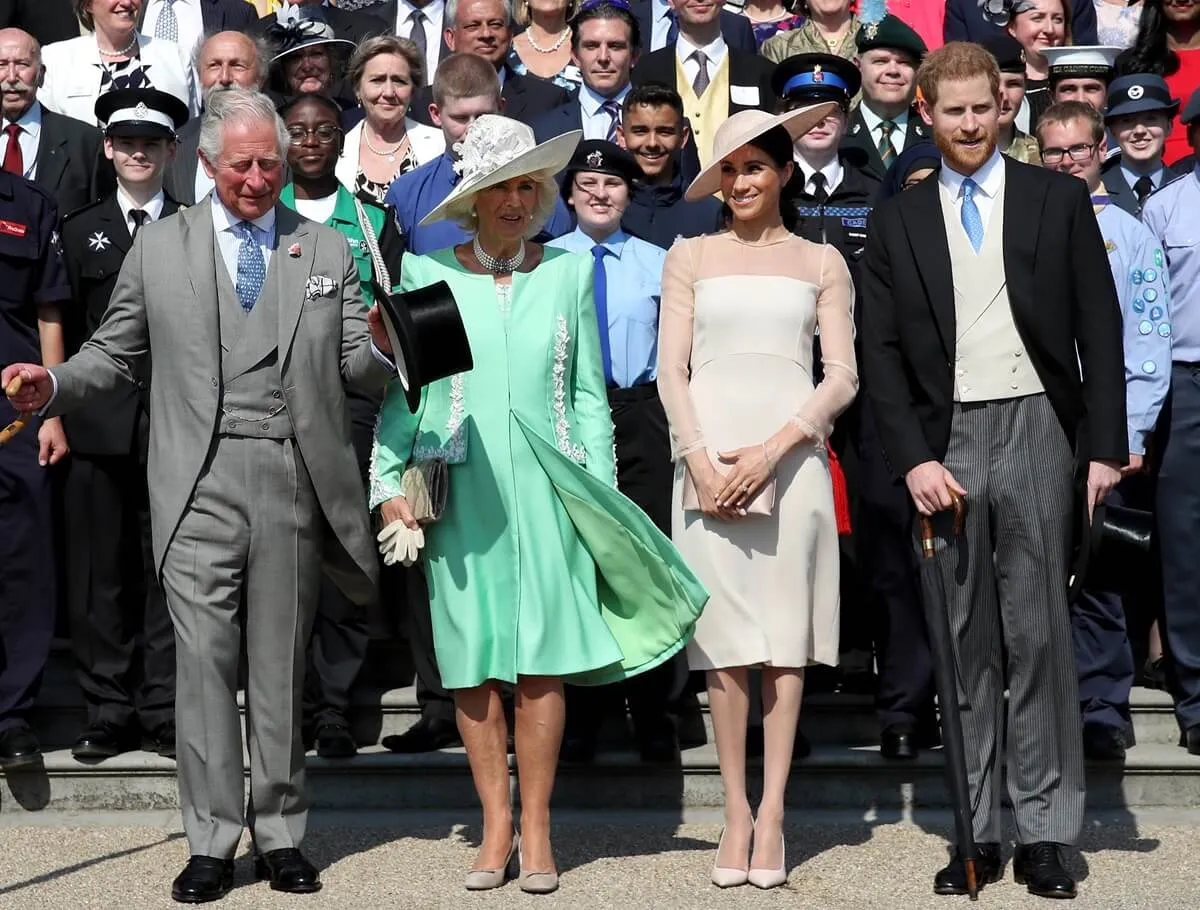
[{"x": 294, "y": 251}]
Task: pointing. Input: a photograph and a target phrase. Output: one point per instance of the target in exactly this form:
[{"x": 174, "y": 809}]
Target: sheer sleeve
[
  {"x": 835, "y": 320},
  {"x": 675, "y": 350}
]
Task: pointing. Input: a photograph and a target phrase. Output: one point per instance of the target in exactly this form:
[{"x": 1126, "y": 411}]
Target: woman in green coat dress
[{"x": 539, "y": 570}]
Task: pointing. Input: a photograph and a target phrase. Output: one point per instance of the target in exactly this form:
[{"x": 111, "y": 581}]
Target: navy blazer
[
  {"x": 47, "y": 20},
  {"x": 71, "y": 165},
  {"x": 965, "y": 22},
  {"x": 735, "y": 29},
  {"x": 525, "y": 98}
]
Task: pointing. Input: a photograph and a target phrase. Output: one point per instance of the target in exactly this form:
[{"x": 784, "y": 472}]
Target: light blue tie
[
  {"x": 251, "y": 267},
  {"x": 972, "y": 221}
]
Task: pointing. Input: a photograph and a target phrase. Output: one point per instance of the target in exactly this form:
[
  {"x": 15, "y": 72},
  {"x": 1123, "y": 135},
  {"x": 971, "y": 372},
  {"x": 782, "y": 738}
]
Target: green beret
[{"x": 890, "y": 33}]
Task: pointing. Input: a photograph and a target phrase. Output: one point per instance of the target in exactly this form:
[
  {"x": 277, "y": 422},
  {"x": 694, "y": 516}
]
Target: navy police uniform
[{"x": 31, "y": 276}]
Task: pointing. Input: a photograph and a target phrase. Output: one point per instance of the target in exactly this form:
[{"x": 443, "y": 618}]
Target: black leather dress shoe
[
  {"x": 104, "y": 740},
  {"x": 898, "y": 743},
  {"x": 577, "y": 749},
  {"x": 426, "y": 735},
  {"x": 1103, "y": 743},
  {"x": 288, "y": 871},
  {"x": 19, "y": 748},
  {"x": 334, "y": 740},
  {"x": 953, "y": 879},
  {"x": 1190, "y": 739},
  {"x": 1039, "y": 868},
  {"x": 203, "y": 879},
  {"x": 162, "y": 740}
]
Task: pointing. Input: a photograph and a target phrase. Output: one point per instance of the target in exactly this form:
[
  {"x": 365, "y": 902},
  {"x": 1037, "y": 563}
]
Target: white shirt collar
[
  {"x": 591, "y": 102},
  {"x": 714, "y": 50},
  {"x": 872, "y": 121},
  {"x": 832, "y": 172},
  {"x": 154, "y": 207},
  {"x": 662, "y": 9},
  {"x": 31, "y": 120},
  {"x": 989, "y": 178},
  {"x": 224, "y": 220}
]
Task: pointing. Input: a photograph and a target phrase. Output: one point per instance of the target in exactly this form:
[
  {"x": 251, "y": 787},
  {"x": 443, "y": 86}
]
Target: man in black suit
[
  {"x": 701, "y": 54},
  {"x": 225, "y": 60},
  {"x": 60, "y": 154},
  {"x": 356, "y": 26},
  {"x": 885, "y": 121},
  {"x": 966, "y": 21},
  {"x": 484, "y": 28},
  {"x": 46, "y": 20},
  {"x": 162, "y": 19},
  {"x": 993, "y": 361},
  {"x": 658, "y": 26}
]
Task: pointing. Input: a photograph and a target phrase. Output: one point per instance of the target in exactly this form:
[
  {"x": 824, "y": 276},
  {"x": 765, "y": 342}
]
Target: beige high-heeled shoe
[
  {"x": 535, "y": 882},
  {"x": 724, "y": 877},
  {"x": 487, "y": 879},
  {"x": 771, "y": 878}
]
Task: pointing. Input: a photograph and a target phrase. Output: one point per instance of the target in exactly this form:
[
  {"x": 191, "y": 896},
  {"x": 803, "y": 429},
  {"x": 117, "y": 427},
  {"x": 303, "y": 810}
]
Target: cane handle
[
  {"x": 927, "y": 535},
  {"x": 22, "y": 416}
]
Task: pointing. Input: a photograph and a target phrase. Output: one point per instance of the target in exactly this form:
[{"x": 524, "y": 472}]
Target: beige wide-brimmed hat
[
  {"x": 744, "y": 126},
  {"x": 496, "y": 149}
]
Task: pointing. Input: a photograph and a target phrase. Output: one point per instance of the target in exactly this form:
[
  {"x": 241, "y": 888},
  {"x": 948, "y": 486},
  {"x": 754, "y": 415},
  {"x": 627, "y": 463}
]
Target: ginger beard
[{"x": 965, "y": 121}]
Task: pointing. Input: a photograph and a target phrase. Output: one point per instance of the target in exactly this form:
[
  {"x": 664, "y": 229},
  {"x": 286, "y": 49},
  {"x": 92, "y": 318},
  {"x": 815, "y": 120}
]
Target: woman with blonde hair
[{"x": 544, "y": 48}]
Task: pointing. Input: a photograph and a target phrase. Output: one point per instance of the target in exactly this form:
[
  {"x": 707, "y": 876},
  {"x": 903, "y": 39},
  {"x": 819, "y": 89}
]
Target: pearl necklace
[
  {"x": 495, "y": 264},
  {"x": 389, "y": 154},
  {"x": 566, "y": 33},
  {"x": 124, "y": 52}
]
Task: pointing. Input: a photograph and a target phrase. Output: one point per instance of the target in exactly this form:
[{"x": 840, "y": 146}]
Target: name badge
[
  {"x": 854, "y": 222},
  {"x": 12, "y": 229},
  {"x": 746, "y": 95}
]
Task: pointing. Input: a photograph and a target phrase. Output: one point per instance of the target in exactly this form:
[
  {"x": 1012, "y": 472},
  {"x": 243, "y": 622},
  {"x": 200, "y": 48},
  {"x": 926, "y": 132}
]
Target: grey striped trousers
[{"x": 1006, "y": 590}]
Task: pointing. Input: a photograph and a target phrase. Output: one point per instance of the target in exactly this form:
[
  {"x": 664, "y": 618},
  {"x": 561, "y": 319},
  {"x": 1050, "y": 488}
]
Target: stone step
[{"x": 833, "y": 777}]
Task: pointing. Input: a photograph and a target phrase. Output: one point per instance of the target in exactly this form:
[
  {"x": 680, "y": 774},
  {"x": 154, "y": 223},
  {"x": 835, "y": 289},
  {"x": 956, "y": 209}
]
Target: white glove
[{"x": 400, "y": 544}]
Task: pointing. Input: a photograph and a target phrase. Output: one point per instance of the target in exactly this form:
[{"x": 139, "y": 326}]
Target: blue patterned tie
[
  {"x": 251, "y": 267},
  {"x": 673, "y": 29},
  {"x": 600, "y": 295},
  {"x": 972, "y": 221}
]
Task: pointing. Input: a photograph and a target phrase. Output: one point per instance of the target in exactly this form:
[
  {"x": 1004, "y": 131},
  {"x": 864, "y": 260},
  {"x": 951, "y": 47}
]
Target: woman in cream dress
[{"x": 753, "y": 502}]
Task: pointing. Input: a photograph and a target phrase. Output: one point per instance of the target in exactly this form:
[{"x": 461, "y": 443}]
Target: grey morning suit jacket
[{"x": 165, "y": 303}]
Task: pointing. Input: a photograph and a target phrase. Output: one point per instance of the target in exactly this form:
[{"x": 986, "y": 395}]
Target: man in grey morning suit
[
  {"x": 993, "y": 360},
  {"x": 254, "y": 319}
]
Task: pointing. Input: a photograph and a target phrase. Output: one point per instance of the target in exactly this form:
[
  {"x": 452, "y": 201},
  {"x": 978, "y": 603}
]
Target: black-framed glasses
[
  {"x": 1081, "y": 152},
  {"x": 325, "y": 133}
]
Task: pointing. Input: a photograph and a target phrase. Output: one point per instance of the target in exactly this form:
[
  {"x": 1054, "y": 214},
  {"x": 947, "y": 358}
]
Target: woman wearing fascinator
[
  {"x": 539, "y": 571},
  {"x": 1036, "y": 25}
]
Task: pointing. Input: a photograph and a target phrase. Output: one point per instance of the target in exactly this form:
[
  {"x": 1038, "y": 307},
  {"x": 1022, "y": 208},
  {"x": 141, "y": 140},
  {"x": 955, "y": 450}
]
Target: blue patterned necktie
[
  {"x": 972, "y": 222},
  {"x": 613, "y": 110},
  {"x": 600, "y": 295},
  {"x": 251, "y": 267},
  {"x": 673, "y": 29}
]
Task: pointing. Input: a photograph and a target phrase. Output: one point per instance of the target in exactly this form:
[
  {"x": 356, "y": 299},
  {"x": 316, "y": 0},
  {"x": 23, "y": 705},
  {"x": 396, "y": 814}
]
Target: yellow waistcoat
[{"x": 707, "y": 113}]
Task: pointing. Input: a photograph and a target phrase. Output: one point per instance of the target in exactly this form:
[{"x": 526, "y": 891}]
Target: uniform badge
[
  {"x": 1145, "y": 327},
  {"x": 857, "y": 128},
  {"x": 1164, "y": 330},
  {"x": 141, "y": 111},
  {"x": 1150, "y": 295},
  {"x": 98, "y": 242},
  {"x": 595, "y": 159},
  {"x": 13, "y": 228},
  {"x": 1139, "y": 305},
  {"x": 817, "y": 75},
  {"x": 1136, "y": 92},
  {"x": 1110, "y": 246},
  {"x": 1158, "y": 258},
  {"x": 1150, "y": 275},
  {"x": 1136, "y": 276},
  {"x": 872, "y": 30}
]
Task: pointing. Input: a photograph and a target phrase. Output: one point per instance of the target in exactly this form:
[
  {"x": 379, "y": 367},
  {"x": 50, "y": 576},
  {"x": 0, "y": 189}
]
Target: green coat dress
[{"x": 538, "y": 566}]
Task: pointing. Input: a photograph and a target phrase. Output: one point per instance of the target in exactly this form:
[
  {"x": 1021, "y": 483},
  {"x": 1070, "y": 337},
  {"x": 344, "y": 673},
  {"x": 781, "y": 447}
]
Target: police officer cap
[
  {"x": 1007, "y": 51},
  {"x": 1139, "y": 93},
  {"x": 142, "y": 112},
  {"x": 816, "y": 77},
  {"x": 600, "y": 157},
  {"x": 892, "y": 34}
]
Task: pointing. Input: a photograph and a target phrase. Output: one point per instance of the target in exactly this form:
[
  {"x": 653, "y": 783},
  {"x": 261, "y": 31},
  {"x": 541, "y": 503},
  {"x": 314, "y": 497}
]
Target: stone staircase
[{"x": 844, "y": 771}]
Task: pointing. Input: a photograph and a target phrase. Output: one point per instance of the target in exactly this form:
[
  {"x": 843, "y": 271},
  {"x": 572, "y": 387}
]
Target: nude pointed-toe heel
[
  {"x": 487, "y": 879},
  {"x": 724, "y": 877},
  {"x": 771, "y": 878},
  {"x": 536, "y": 882}
]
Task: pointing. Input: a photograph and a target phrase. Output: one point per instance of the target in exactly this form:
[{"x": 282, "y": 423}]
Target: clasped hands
[
  {"x": 726, "y": 495},
  {"x": 402, "y": 537}
]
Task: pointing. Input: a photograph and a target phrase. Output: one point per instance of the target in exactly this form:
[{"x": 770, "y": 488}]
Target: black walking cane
[
  {"x": 22, "y": 416},
  {"x": 945, "y": 673}
]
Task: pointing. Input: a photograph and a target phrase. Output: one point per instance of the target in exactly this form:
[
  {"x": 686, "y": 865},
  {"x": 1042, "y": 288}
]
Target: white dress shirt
[
  {"x": 874, "y": 121},
  {"x": 595, "y": 121},
  {"x": 29, "y": 139},
  {"x": 660, "y": 24},
  {"x": 153, "y": 208},
  {"x": 435, "y": 13},
  {"x": 989, "y": 179},
  {"x": 187, "y": 15},
  {"x": 715, "y": 51},
  {"x": 832, "y": 172},
  {"x": 228, "y": 242}
]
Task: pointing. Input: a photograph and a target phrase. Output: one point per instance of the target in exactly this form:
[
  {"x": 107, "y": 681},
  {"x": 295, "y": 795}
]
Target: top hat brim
[
  {"x": 1114, "y": 549},
  {"x": 429, "y": 341}
]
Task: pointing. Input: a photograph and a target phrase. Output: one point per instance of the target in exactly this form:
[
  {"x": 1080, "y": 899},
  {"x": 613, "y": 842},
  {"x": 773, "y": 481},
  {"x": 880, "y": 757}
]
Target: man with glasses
[{"x": 1071, "y": 135}]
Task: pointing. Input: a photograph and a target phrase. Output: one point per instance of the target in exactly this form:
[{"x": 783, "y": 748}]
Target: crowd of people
[{"x": 612, "y": 349}]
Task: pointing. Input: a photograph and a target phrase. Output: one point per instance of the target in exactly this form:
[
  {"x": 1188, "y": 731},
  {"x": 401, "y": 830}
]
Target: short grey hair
[
  {"x": 450, "y": 15},
  {"x": 238, "y": 106},
  {"x": 263, "y": 52}
]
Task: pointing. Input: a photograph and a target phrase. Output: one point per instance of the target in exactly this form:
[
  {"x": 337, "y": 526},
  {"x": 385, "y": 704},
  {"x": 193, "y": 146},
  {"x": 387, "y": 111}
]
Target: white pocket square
[{"x": 320, "y": 286}]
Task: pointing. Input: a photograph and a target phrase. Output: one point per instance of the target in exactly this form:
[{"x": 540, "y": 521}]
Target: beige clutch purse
[
  {"x": 426, "y": 485},
  {"x": 762, "y": 504}
]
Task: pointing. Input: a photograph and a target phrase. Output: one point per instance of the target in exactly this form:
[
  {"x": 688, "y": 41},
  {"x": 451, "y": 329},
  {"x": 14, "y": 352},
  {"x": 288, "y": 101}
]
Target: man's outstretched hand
[{"x": 36, "y": 385}]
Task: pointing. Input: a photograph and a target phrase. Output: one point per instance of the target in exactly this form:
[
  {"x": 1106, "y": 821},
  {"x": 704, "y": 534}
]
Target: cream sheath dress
[{"x": 735, "y": 365}]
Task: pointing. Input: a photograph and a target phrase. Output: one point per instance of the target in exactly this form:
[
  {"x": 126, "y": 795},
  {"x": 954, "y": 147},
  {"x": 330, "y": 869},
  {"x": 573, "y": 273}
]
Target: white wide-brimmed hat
[
  {"x": 745, "y": 126},
  {"x": 496, "y": 149}
]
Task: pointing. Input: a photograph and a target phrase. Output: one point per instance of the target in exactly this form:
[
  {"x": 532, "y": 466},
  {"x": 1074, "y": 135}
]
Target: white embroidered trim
[
  {"x": 454, "y": 449},
  {"x": 380, "y": 489},
  {"x": 562, "y": 428}
]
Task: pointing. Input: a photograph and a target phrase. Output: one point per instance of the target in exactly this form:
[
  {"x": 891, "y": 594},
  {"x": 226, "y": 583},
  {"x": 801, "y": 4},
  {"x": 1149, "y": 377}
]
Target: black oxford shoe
[
  {"x": 1103, "y": 743},
  {"x": 898, "y": 742},
  {"x": 1190, "y": 739},
  {"x": 19, "y": 748},
  {"x": 1039, "y": 868},
  {"x": 334, "y": 740},
  {"x": 103, "y": 740},
  {"x": 288, "y": 871},
  {"x": 953, "y": 879},
  {"x": 426, "y": 735},
  {"x": 162, "y": 740},
  {"x": 203, "y": 879}
]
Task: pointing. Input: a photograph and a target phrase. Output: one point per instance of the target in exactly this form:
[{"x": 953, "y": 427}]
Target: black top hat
[
  {"x": 816, "y": 77},
  {"x": 428, "y": 339},
  {"x": 1007, "y": 51},
  {"x": 600, "y": 157},
  {"x": 1113, "y": 552},
  {"x": 144, "y": 112},
  {"x": 1138, "y": 93}
]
